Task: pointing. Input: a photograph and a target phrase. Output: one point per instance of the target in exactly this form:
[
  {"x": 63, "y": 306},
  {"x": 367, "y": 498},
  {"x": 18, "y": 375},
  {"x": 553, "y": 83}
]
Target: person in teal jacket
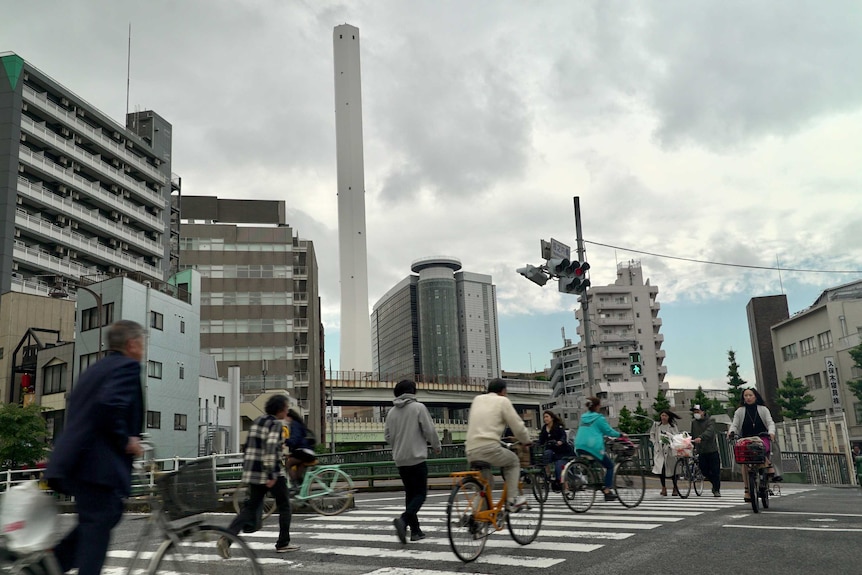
[{"x": 590, "y": 440}]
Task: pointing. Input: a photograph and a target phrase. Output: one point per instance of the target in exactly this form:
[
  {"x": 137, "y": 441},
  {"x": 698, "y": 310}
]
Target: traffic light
[
  {"x": 534, "y": 274},
  {"x": 558, "y": 266},
  {"x": 635, "y": 363},
  {"x": 573, "y": 278}
]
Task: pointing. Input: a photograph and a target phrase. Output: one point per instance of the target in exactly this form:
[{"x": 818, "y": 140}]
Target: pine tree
[
  {"x": 709, "y": 405},
  {"x": 643, "y": 423},
  {"x": 793, "y": 396},
  {"x": 627, "y": 422},
  {"x": 661, "y": 402},
  {"x": 735, "y": 382},
  {"x": 855, "y": 385}
]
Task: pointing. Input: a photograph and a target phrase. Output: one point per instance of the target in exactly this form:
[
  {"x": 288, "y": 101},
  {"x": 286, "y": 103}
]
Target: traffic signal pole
[{"x": 585, "y": 306}]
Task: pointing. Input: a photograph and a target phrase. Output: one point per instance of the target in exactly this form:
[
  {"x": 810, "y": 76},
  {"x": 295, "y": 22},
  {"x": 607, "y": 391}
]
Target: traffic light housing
[
  {"x": 558, "y": 267},
  {"x": 573, "y": 278},
  {"x": 534, "y": 274},
  {"x": 635, "y": 365}
]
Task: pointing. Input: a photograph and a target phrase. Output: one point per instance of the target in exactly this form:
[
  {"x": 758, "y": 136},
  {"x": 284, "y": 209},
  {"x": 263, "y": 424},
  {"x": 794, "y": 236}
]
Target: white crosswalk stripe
[{"x": 365, "y": 541}]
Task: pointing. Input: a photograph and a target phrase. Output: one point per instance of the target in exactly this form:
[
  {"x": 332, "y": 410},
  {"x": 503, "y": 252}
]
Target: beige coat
[{"x": 660, "y": 436}]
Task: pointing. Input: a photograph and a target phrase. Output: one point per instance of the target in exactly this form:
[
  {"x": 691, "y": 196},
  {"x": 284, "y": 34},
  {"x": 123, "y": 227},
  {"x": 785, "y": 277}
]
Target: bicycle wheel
[
  {"x": 539, "y": 483},
  {"x": 764, "y": 490},
  {"x": 682, "y": 476},
  {"x": 197, "y": 552},
  {"x": 697, "y": 476},
  {"x": 41, "y": 564},
  {"x": 752, "y": 489},
  {"x": 241, "y": 494},
  {"x": 330, "y": 490},
  {"x": 524, "y": 524},
  {"x": 467, "y": 536},
  {"x": 579, "y": 489},
  {"x": 629, "y": 482}
]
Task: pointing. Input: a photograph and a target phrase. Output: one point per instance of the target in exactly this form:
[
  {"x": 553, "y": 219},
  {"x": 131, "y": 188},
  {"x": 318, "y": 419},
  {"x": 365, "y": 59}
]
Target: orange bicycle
[{"x": 472, "y": 515}]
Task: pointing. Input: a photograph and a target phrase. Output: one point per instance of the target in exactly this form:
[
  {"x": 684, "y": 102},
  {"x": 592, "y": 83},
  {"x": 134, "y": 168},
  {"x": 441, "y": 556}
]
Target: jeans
[
  {"x": 415, "y": 480},
  {"x": 552, "y": 457},
  {"x": 251, "y": 509}
]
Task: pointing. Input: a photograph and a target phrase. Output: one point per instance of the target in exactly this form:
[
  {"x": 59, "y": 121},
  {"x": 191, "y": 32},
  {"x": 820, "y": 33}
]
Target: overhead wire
[{"x": 708, "y": 262}]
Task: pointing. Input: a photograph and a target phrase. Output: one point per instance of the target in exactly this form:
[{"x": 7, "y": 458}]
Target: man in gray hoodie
[{"x": 409, "y": 429}]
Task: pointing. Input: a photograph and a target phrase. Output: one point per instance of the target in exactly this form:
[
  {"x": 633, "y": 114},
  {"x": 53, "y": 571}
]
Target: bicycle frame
[{"x": 495, "y": 513}]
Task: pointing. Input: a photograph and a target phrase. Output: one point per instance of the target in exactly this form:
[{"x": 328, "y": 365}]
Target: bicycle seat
[
  {"x": 585, "y": 455},
  {"x": 480, "y": 465}
]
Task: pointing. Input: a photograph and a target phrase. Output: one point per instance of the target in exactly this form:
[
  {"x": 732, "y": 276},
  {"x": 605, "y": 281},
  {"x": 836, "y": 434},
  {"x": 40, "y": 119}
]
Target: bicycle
[
  {"x": 584, "y": 475},
  {"x": 327, "y": 489},
  {"x": 176, "y": 502},
  {"x": 751, "y": 452},
  {"x": 472, "y": 515},
  {"x": 536, "y": 474},
  {"x": 688, "y": 474}
]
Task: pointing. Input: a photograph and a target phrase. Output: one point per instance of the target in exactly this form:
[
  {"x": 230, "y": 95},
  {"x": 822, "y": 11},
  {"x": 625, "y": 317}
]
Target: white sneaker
[{"x": 515, "y": 505}]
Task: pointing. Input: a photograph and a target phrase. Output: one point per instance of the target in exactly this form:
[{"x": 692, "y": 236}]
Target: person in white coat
[{"x": 664, "y": 459}]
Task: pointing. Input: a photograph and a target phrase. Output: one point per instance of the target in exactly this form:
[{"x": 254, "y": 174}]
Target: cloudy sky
[{"x": 717, "y": 131}]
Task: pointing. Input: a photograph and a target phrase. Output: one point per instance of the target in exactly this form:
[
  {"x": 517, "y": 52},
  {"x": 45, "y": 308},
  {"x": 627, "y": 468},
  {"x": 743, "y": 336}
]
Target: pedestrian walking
[
  {"x": 664, "y": 459},
  {"x": 410, "y": 430},
  {"x": 262, "y": 471},
  {"x": 92, "y": 458},
  {"x": 704, "y": 437}
]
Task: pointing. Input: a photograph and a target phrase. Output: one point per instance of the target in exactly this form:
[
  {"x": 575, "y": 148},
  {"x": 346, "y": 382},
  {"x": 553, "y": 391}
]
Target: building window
[
  {"x": 813, "y": 381},
  {"x": 89, "y": 319},
  {"x": 154, "y": 420},
  {"x": 180, "y": 421},
  {"x": 182, "y": 326},
  {"x": 806, "y": 346},
  {"x": 154, "y": 369},
  {"x": 221, "y": 402},
  {"x": 1, "y": 353},
  {"x": 157, "y": 320},
  {"x": 86, "y": 361},
  {"x": 857, "y": 407},
  {"x": 824, "y": 340},
  {"x": 52, "y": 379},
  {"x": 788, "y": 352},
  {"x": 182, "y": 372}
]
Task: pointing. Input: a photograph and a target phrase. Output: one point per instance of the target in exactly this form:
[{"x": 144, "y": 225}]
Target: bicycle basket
[
  {"x": 190, "y": 490},
  {"x": 749, "y": 450},
  {"x": 623, "y": 448},
  {"x": 537, "y": 454}
]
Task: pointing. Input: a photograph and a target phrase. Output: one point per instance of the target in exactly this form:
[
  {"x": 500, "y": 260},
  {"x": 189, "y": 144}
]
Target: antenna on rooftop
[{"x": 128, "y": 70}]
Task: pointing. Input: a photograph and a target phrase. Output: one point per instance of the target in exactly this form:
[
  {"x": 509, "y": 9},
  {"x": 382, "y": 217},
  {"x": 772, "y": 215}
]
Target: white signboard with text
[{"x": 832, "y": 380}]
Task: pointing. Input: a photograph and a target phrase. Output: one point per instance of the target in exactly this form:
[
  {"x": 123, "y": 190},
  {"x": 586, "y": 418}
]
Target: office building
[
  {"x": 625, "y": 327},
  {"x": 80, "y": 194},
  {"x": 763, "y": 313},
  {"x": 814, "y": 345},
  {"x": 440, "y": 323},
  {"x": 259, "y": 297}
]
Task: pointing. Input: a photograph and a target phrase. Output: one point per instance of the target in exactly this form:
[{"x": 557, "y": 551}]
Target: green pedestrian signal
[{"x": 636, "y": 369}]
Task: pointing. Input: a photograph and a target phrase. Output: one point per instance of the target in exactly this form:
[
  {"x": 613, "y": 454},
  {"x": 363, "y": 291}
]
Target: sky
[{"x": 715, "y": 131}]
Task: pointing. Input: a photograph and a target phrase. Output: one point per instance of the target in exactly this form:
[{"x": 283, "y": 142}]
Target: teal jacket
[{"x": 591, "y": 434}]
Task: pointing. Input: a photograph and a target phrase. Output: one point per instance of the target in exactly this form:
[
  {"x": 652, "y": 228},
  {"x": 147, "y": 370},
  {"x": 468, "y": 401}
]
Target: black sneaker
[
  {"x": 417, "y": 536},
  {"x": 400, "y": 529},
  {"x": 611, "y": 497}
]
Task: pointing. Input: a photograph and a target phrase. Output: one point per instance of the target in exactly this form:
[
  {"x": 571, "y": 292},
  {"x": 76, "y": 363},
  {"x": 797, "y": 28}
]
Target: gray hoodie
[{"x": 409, "y": 429}]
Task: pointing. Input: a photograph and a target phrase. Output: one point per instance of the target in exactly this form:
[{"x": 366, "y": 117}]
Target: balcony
[
  {"x": 300, "y": 272},
  {"x": 300, "y": 352},
  {"x": 95, "y": 134},
  {"x": 611, "y": 305},
  {"x": 45, "y": 261},
  {"x": 46, "y": 198},
  {"x": 300, "y": 324},
  {"x": 69, "y": 178}
]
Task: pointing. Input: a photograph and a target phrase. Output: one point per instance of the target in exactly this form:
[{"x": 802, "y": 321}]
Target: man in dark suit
[{"x": 92, "y": 459}]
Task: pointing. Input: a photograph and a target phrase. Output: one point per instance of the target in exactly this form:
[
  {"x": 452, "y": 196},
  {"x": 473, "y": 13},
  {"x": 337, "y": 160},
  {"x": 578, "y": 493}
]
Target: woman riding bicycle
[
  {"x": 590, "y": 440},
  {"x": 553, "y": 438},
  {"x": 752, "y": 419}
]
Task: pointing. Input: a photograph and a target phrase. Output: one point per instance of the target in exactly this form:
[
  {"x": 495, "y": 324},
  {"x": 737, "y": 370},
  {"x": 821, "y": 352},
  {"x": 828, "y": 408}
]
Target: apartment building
[
  {"x": 259, "y": 297},
  {"x": 624, "y": 328},
  {"x": 814, "y": 345},
  {"x": 80, "y": 194}
]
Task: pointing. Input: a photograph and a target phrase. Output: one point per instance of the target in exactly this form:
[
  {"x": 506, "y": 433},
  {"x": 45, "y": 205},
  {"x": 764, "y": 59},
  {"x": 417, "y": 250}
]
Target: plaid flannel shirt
[{"x": 263, "y": 446}]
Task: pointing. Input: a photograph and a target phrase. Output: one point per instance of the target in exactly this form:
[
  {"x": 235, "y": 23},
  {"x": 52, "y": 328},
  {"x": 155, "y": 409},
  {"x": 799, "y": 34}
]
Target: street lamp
[{"x": 59, "y": 292}]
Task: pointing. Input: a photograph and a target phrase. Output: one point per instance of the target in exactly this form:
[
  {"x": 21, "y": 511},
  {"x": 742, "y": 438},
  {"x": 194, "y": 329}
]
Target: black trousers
[
  {"x": 415, "y": 480},
  {"x": 710, "y": 465},
  {"x": 252, "y": 506},
  {"x": 85, "y": 547}
]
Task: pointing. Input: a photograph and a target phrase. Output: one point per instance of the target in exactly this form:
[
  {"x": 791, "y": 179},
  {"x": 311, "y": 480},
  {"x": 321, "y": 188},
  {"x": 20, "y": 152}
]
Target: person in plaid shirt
[{"x": 262, "y": 471}]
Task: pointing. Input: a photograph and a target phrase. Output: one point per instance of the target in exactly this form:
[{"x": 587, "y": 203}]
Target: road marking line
[
  {"x": 780, "y": 528},
  {"x": 544, "y": 533},
  {"x": 447, "y": 556}
]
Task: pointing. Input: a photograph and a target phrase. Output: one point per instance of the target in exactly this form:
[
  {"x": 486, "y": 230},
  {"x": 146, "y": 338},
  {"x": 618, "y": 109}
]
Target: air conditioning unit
[
  {"x": 64, "y": 160},
  {"x": 115, "y": 134},
  {"x": 115, "y": 188},
  {"x": 76, "y": 195},
  {"x": 113, "y": 242},
  {"x": 64, "y": 101},
  {"x": 23, "y": 137},
  {"x": 115, "y": 215},
  {"x": 79, "y": 140},
  {"x": 61, "y": 250},
  {"x": 127, "y": 168},
  {"x": 124, "y": 246},
  {"x": 113, "y": 270},
  {"x": 17, "y": 235},
  {"x": 65, "y": 131},
  {"x": 74, "y": 224},
  {"x": 19, "y": 200},
  {"x": 73, "y": 255},
  {"x": 76, "y": 167},
  {"x": 63, "y": 189},
  {"x": 126, "y": 194},
  {"x": 80, "y": 112},
  {"x": 61, "y": 219},
  {"x": 14, "y": 266},
  {"x": 115, "y": 162},
  {"x": 124, "y": 219},
  {"x": 25, "y": 107}
]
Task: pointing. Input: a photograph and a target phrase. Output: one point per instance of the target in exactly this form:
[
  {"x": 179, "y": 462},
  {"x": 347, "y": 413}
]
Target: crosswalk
[{"x": 362, "y": 540}]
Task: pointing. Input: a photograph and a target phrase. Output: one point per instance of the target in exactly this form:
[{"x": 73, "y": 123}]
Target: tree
[
  {"x": 627, "y": 422},
  {"x": 22, "y": 435},
  {"x": 709, "y": 405},
  {"x": 735, "y": 382},
  {"x": 643, "y": 422},
  {"x": 793, "y": 396},
  {"x": 855, "y": 385},
  {"x": 661, "y": 403}
]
